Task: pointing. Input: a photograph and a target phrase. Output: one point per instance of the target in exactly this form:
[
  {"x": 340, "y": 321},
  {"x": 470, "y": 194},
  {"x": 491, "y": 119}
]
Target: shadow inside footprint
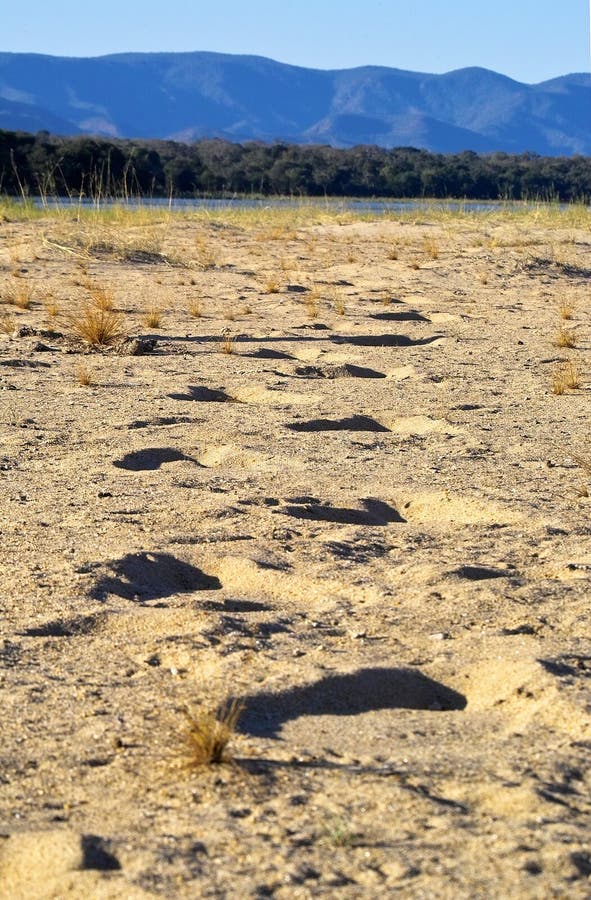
[
  {"x": 383, "y": 340},
  {"x": 410, "y": 315},
  {"x": 235, "y": 606},
  {"x": 353, "y": 423},
  {"x": 150, "y": 458},
  {"x": 97, "y": 854},
  {"x": 376, "y": 513},
  {"x": 480, "y": 573},
  {"x": 267, "y": 353},
  {"x": 78, "y": 625},
  {"x": 347, "y": 370},
  {"x": 203, "y": 395},
  {"x": 149, "y": 576},
  {"x": 348, "y": 695}
]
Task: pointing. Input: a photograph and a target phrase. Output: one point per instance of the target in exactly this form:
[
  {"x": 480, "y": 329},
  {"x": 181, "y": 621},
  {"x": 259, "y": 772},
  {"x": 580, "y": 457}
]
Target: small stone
[
  {"x": 24, "y": 331},
  {"x": 137, "y": 346},
  {"x": 440, "y": 636}
]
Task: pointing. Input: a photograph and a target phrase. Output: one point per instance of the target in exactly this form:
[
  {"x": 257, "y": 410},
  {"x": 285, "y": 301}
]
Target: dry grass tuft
[
  {"x": 566, "y": 309},
  {"x": 196, "y": 308},
  {"x": 566, "y": 338},
  {"x": 204, "y": 253},
  {"x": 7, "y": 323},
  {"x": 584, "y": 462},
  {"x": 153, "y": 317},
  {"x": 209, "y": 732},
  {"x": 431, "y": 248},
  {"x": 558, "y": 384},
  {"x": 572, "y": 378},
  {"x": 565, "y": 377},
  {"x": 20, "y": 296},
  {"x": 339, "y": 304},
  {"x": 51, "y": 307},
  {"x": 312, "y": 305},
  {"x": 228, "y": 344},
  {"x": 102, "y": 296},
  {"x": 97, "y": 327},
  {"x": 271, "y": 285},
  {"x": 84, "y": 375}
]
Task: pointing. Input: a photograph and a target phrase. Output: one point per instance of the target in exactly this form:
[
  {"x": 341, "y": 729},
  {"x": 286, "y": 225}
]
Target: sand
[{"x": 369, "y": 520}]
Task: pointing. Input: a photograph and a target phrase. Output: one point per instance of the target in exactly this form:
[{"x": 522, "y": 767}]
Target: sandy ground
[{"x": 370, "y": 520}]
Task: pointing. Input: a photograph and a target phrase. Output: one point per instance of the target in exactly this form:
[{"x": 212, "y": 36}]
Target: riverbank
[{"x": 344, "y": 476}]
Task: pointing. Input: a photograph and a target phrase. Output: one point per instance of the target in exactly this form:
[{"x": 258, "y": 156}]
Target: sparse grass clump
[
  {"x": 584, "y": 462},
  {"x": 312, "y": 304},
  {"x": 339, "y": 304},
  {"x": 566, "y": 309},
  {"x": 565, "y": 377},
  {"x": 228, "y": 344},
  {"x": 51, "y": 307},
  {"x": 97, "y": 327},
  {"x": 558, "y": 383},
  {"x": 571, "y": 376},
  {"x": 431, "y": 248},
  {"x": 339, "y": 833},
  {"x": 20, "y": 296},
  {"x": 101, "y": 295},
  {"x": 209, "y": 732},
  {"x": 566, "y": 338},
  {"x": 84, "y": 375},
  {"x": 153, "y": 317},
  {"x": 205, "y": 256},
  {"x": 7, "y": 323},
  {"x": 271, "y": 285},
  {"x": 196, "y": 308}
]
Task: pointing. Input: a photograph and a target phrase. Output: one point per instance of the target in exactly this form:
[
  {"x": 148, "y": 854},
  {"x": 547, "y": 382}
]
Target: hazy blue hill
[
  {"x": 16, "y": 116},
  {"x": 193, "y": 95}
]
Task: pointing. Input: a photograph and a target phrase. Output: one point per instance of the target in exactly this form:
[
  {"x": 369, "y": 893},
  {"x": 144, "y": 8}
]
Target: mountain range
[{"x": 189, "y": 96}]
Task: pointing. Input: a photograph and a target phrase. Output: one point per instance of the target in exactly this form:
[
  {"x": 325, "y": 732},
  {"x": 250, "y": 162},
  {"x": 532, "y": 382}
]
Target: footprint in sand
[
  {"x": 150, "y": 576},
  {"x": 267, "y": 397},
  {"x": 401, "y": 373},
  {"x": 421, "y": 425},
  {"x": 352, "y": 423},
  {"x": 374, "y": 512},
  {"x": 345, "y": 370},
  {"x": 231, "y": 455},
  {"x": 202, "y": 394},
  {"x": 151, "y": 458},
  {"x": 443, "y": 508},
  {"x": 525, "y": 691}
]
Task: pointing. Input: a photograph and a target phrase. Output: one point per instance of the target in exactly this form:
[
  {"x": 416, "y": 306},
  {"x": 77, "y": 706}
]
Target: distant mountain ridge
[{"x": 187, "y": 96}]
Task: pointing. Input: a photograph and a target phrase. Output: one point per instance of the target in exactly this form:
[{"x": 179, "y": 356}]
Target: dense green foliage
[{"x": 96, "y": 167}]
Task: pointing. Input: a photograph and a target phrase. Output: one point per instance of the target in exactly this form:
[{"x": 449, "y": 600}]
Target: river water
[{"x": 331, "y": 204}]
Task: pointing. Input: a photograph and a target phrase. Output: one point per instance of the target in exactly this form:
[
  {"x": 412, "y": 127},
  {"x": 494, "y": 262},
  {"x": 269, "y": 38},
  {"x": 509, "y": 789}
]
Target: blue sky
[{"x": 530, "y": 40}]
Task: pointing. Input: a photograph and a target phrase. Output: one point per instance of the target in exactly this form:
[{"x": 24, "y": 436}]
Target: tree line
[{"x": 47, "y": 165}]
